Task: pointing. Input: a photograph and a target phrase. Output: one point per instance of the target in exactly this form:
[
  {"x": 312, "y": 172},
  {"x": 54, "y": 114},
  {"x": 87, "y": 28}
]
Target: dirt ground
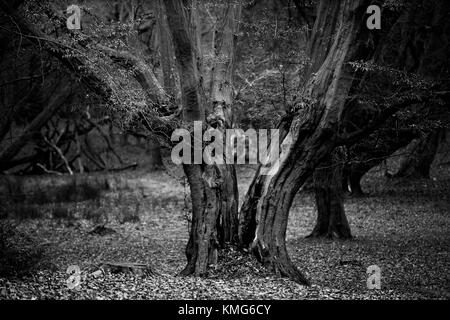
[{"x": 401, "y": 226}]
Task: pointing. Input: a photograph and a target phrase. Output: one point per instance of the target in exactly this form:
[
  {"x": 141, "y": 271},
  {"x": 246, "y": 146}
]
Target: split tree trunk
[
  {"x": 213, "y": 187},
  {"x": 331, "y": 220}
]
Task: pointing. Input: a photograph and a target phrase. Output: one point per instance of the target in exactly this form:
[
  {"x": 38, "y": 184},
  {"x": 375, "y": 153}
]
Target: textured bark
[
  {"x": 319, "y": 46},
  {"x": 186, "y": 55},
  {"x": 202, "y": 246},
  {"x": 166, "y": 52},
  {"x": 213, "y": 187},
  {"x": 247, "y": 217},
  {"x": 313, "y": 133},
  {"x": 228, "y": 216},
  {"x": 220, "y": 47},
  {"x": 201, "y": 250},
  {"x": 331, "y": 220}
]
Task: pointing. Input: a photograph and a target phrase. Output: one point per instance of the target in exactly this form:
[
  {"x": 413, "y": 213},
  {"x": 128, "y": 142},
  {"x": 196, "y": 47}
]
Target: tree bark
[
  {"x": 221, "y": 48},
  {"x": 166, "y": 53},
  {"x": 313, "y": 133},
  {"x": 202, "y": 247},
  {"x": 331, "y": 220},
  {"x": 247, "y": 216},
  {"x": 318, "y": 48}
]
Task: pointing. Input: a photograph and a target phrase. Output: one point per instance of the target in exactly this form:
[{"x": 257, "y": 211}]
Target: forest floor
[{"x": 401, "y": 226}]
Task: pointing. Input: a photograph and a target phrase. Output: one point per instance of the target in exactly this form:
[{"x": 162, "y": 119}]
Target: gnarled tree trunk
[
  {"x": 247, "y": 217},
  {"x": 213, "y": 187},
  {"x": 313, "y": 132},
  {"x": 202, "y": 246},
  {"x": 219, "y": 44}
]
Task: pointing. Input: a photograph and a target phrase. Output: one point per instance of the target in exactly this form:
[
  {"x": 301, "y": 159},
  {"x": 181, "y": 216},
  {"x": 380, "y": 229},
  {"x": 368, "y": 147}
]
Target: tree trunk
[
  {"x": 202, "y": 246},
  {"x": 247, "y": 217},
  {"x": 213, "y": 187},
  {"x": 228, "y": 216},
  {"x": 201, "y": 250},
  {"x": 313, "y": 133},
  {"x": 331, "y": 220},
  {"x": 166, "y": 52},
  {"x": 219, "y": 44},
  {"x": 421, "y": 152}
]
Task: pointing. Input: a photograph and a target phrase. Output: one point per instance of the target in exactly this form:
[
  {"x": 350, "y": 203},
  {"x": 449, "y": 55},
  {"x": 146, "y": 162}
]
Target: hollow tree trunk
[
  {"x": 313, "y": 133},
  {"x": 421, "y": 152},
  {"x": 331, "y": 220}
]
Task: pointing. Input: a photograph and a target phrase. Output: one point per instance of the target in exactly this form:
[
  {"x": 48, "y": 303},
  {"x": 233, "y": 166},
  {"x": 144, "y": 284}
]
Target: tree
[
  {"x": 331, "y": 220},
  {"x": 213, "y": 187},
  {"x": 313, "y": 133},
  {"x": 94, "y": 58},
  {"x": 420, "y": 155},
  {"x": 329, "y": 199},
  {"x": 317, "y": 127}
]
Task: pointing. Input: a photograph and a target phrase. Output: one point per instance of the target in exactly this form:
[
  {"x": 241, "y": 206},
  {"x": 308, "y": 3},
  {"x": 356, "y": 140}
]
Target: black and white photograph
[{"x": 240, "y": 153}]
